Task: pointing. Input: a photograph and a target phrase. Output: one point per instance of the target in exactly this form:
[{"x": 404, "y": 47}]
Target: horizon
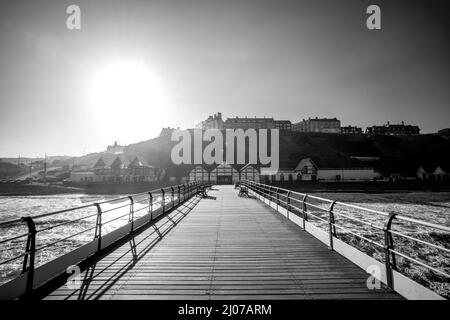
[{"x": 134, "y": 68}]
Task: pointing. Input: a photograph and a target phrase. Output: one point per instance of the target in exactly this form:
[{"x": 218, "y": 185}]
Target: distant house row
[
  {"x": 307, "y": 169},
  {"x": 216, "y": 122},
  {"x": 117, "y": 171},
  {"x": 323, "y": 125}
]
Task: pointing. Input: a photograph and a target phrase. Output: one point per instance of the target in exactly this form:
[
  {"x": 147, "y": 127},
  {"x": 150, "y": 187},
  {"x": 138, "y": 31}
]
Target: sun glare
[{"x": 128, "y": 101}]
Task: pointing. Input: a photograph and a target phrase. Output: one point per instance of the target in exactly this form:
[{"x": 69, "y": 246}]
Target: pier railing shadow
[{"x": 93, "y": 286}]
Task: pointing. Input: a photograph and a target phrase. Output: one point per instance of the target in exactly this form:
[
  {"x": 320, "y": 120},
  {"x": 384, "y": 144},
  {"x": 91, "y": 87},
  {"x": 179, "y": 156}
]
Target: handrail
[
  {"x": 43, "y": 215},
  {"x": 301, "y": 203},
  {"x": 150, "y": 197}
]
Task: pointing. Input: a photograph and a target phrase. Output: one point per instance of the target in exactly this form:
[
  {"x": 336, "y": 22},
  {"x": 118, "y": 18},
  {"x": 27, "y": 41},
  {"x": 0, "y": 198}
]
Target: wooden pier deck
[{"x": 223, "y": 248}]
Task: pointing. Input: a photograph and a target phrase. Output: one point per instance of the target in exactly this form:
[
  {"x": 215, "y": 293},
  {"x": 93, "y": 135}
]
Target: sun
[{"x": 128, "y": 101}]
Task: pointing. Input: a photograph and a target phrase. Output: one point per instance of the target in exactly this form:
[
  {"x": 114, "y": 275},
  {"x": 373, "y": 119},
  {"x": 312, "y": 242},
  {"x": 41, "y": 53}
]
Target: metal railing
[
  {"x": 300, "y": 204},
  {"x": 150, "y": 201}
]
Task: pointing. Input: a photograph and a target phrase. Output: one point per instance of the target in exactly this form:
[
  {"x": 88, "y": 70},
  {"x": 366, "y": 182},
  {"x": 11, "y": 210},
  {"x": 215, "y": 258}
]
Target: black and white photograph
[{"x": 222, "y": 155}]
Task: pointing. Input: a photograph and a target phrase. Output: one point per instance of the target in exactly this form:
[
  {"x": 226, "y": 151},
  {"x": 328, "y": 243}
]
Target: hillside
[{"x": 398, "y": 154}]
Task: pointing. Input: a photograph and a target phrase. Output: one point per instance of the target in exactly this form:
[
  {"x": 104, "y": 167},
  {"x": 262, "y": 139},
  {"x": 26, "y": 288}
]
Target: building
[
  {"x": 82, "y": 176},
  {"x": 223, "y": 173},
  {"x": 115, "y": 148},
  {"x": 282, "y": 175},
  {"x": 117, "y": 171},
  {"x": 325, "y": 125},
  {"x": 433, "y": 173},
  {"x": 393, "y": 129},
  {"x": 309, "y": 170},
  {"x": 249, "y": 123},
  {"x": 283, "y": 125},
  {"x": 356, "y": 171},
  {"x": 80, "y": 167},
  {"x": 351, "y": 130},
  {"x": 212, "y": 122},
  {"x": 216, "y": 122},
  {"x": 250, "y": 172},
  {"x": 167, "y": 131}
]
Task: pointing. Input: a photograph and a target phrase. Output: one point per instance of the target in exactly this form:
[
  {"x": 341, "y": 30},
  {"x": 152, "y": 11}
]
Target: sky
[{"x": 137, "y": 66}]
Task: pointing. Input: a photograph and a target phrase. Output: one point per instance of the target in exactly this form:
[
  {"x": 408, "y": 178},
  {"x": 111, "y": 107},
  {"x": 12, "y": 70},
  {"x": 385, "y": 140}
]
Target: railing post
[
  {"x": 163, "y": 199},
  {"x": 331, "y": 227},
  {"x": 150, "y": 205},
  {"x": 388, "y": 244},
  {"x": 30, "y": 253},
  {"x": 179, "y": 194},
  {"x": 172, "y": 197},
  {"x": 304, "y": 212},
  {"x": 184, "y": 192},
  {"x": 131, "y": 215},
  {"x": 278, "y": 197},
  {"x": 288, "y": 202},
  {"x": 98, "y": 227}
]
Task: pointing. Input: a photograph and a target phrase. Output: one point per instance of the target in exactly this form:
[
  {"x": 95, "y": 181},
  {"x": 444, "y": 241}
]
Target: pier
[{"x": 220, "y": 246}]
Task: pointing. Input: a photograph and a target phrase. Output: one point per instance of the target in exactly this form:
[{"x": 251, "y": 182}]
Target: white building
[
  {"x": 325, "y": 125},
  {"x": 346, "y": 174},
  {"x": 282, "y": 175},
  {"x": 224, "y": 173},
  {"x": 434, "y": 173},
  {"x": 308, "y": 170},
  {"x": 82, "y": 176}
]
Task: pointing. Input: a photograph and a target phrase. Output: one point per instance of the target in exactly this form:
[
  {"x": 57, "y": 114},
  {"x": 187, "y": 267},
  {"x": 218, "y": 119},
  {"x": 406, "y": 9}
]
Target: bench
[
  {"x": 243, "y": 191},
  {"x": 201, "y": 191}
]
